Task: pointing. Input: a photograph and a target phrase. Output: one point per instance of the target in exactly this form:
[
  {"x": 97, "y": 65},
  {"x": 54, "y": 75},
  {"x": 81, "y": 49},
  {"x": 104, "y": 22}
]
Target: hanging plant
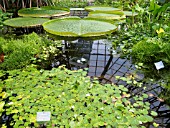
[
  {"x": 76, "y": 27},
  {"x": 43, "y": 12},
  {"x": 23, "y": 22}
]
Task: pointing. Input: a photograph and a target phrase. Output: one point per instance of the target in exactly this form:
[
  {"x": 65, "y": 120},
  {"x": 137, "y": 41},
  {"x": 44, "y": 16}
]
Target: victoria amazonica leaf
[
  {"x": 23, "y": 22},
  {"x": 130, "y": 13},
  {"x": 107, "y": 16},
  {"x": 104, "y": 9},
  {"x": 78, "y": 27},
  {"x": 42, "y": 12}
]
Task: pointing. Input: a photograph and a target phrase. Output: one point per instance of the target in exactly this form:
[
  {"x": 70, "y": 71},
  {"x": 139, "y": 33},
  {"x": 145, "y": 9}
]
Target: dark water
[{"x": 103, "y": 62}]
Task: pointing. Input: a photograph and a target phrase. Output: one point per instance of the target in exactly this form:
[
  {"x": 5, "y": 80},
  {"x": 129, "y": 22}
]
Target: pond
[{"x": 105, "y": 63}]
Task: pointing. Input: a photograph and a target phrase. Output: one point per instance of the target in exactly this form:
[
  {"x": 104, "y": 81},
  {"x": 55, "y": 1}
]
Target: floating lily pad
[
  {"x": 78, "y": 27},
  {"x": 23, "y": 22},
  {"x": 107, "y": 16},
  {"x": 130, "y": 13},
  {"x": 104, "y": 9},
  {"x": 42, "y": 12}
]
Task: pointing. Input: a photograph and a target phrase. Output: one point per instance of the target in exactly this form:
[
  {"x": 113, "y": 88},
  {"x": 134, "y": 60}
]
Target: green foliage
[
  {"x": 146, "y": 51},
  {"x": 78, "y": 27},
  {"x": 46, "y": 57},
  {"x": 18, "y": 52},
  {"x": 73, "y": 99},
  {"x": 3, "y": 96},
  {"x": 3, "y": 17},
  {"x": 150, "y": 51},
  {"x": 42, "y": 12},
  {"x": 23, "y": 22}
]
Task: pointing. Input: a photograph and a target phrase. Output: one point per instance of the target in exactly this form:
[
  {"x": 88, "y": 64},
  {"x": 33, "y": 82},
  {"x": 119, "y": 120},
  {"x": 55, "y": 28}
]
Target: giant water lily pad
[
  {"x": 42, "y": 12},
  {"x": 23, "y": 22},
  {"x": 108, "y": 16},
  {"x": 75, "y": 27},
  {"x": 130, "y": 13},
  {"x": 104, "y": 9}
]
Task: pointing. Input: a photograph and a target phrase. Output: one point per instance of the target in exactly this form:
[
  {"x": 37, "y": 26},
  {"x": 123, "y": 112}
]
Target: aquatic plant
[
  {"x": 24, "y": 22},
  {"x": 45, "y": 11},
  {"x": 107, "y": 16},
  {"x": 76, "y": 27},
  {"x": 73, "y": 99}
]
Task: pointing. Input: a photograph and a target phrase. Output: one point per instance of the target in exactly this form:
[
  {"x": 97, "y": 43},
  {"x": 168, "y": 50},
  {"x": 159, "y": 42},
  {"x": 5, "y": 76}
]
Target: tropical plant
[
  {"x": 76, "y": 27},
  {"x": 3, "y": 17},
  {"x": 19, "y": 52},
  {"x": 73, "y": 99},
  {"x": 150, "y": 51}
]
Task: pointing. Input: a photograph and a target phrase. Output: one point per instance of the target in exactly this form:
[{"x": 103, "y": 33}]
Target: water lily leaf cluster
[
  {"x": 73, "y": 99},
  {"x": 42, "y": 12},
  {"x": 76, "y": 27}
]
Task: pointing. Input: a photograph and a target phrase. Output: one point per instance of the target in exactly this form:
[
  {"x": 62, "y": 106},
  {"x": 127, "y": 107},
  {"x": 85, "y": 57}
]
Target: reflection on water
[{"x": 104, "y": 63}]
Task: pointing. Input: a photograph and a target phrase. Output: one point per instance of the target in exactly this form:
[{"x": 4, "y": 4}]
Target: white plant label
[
  {"x": 43, "y": 116},
  {"x": 159, "y": 65}
]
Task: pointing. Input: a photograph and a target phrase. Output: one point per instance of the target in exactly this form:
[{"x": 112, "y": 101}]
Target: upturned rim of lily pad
[
  {"x": 80, "y": 26},
  {"x": 130, "y": 13},
  {"x": 25, "y": 22},
  {"x": 107, "y": 16},
  {"x": 45, "y": 12}
]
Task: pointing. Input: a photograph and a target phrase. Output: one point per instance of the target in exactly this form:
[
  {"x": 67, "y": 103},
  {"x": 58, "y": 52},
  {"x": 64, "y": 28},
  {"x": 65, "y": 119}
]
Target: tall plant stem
[
  {"x": 2, "y": 8},
  {"x": 4, "y": 5},
  {"x": 30, "y": 3}
]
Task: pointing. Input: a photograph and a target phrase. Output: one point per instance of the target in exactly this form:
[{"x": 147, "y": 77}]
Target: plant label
[
  {"x": 43, "y": 116},
  {"x": 159, "y": 65}
]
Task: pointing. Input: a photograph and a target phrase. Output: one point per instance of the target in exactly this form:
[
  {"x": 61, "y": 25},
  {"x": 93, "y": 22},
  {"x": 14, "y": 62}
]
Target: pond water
[{"x": 103, "y": 62}]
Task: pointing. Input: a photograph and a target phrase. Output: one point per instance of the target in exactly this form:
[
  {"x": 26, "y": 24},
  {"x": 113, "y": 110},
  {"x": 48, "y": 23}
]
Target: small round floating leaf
[
  {"x": 130, "y": 13},
  {"x": 22, "y": 22},
  {"x": 78, "y": 27},
  {"x": 42, "y": 12},
  {"x": 102, "y": 9}
]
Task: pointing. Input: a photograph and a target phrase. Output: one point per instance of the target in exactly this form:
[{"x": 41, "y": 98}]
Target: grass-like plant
[{"x": 73, "y": 99}]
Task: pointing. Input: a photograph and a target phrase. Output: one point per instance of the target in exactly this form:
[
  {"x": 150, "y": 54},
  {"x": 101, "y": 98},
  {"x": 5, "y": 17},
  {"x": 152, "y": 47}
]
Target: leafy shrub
[
  {"x": 73, "y": 99},
  {"x": 3, "y": 17},
  {"x": 18, "y": 52},
  {"x": 150, "y": 51},
  {"x": 146, "y": 51}
]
